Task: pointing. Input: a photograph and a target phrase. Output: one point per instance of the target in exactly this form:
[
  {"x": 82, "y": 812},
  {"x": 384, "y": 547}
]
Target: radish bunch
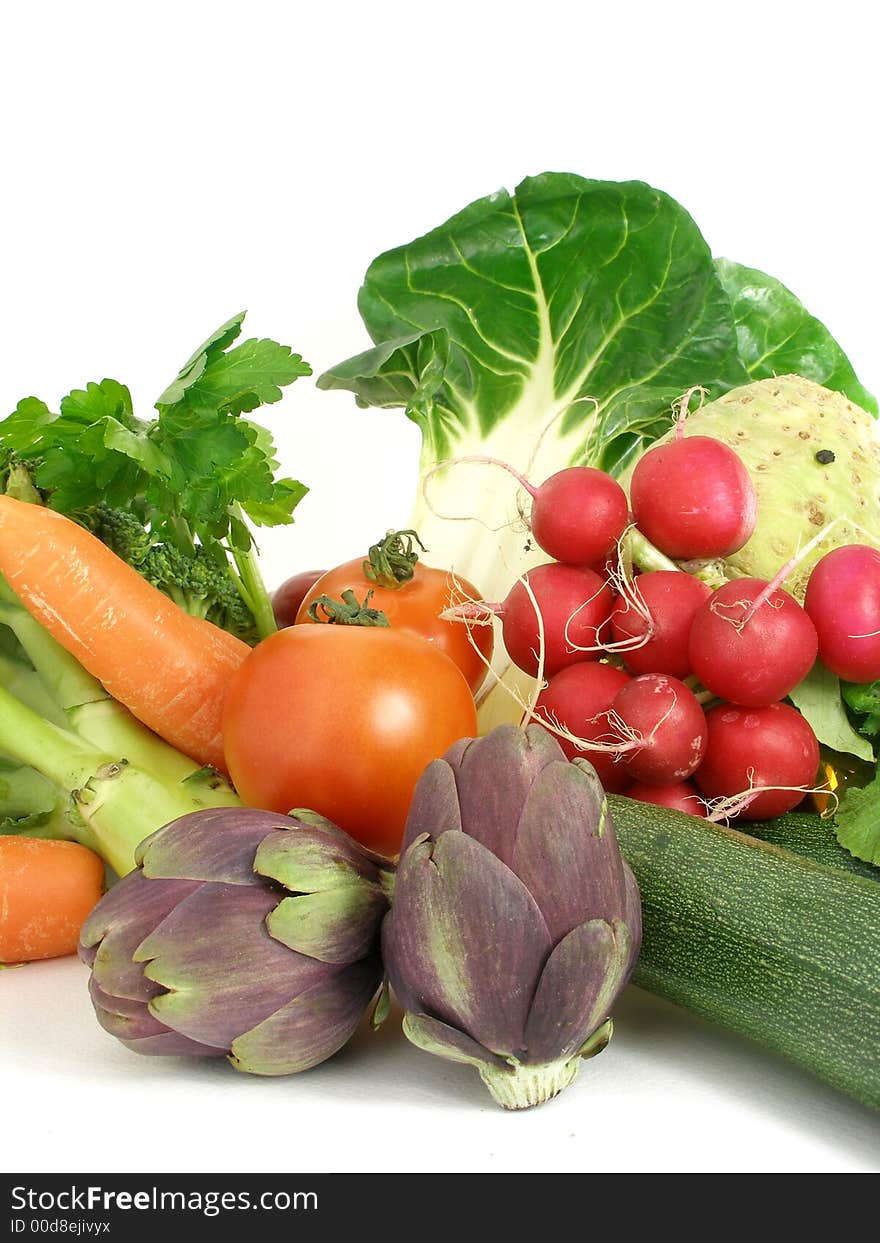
[{"x": 629, "y": 661}]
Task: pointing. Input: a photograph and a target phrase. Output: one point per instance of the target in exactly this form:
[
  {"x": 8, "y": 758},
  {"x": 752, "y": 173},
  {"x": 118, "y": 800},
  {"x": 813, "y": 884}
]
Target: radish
[
  {"x": 574, "y": 604},
  {"x": 693, "y": 497},
  {"x": 578, "y": 515},
  {"x": 651, "y": 622},
  {"x": 577, "y": 701},
  {"x": 751, "y": 643},
  {"x": 680, "y": 796},
  {"x": 771, "y": 749},
  {"x": 666, "y": 725},
  {"x": 843, "y": 601}
]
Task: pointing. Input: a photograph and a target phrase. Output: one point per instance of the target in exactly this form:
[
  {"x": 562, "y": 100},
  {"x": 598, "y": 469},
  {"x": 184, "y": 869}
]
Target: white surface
[
  {"x": 164, "y": 167},
  {"x": 670, "y": 1094}
]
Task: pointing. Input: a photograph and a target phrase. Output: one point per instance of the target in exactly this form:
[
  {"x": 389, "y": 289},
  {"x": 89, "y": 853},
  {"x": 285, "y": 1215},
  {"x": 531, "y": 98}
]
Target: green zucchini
[
  {"x": 813, "y": 838},
  {"x": 767, "y": 942}
]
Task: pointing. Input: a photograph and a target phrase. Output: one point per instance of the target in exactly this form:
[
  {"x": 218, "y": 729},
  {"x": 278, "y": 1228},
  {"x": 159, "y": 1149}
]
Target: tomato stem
[
  {"x": 392, "y": 561},
  {"x": 346, "y": 612}
]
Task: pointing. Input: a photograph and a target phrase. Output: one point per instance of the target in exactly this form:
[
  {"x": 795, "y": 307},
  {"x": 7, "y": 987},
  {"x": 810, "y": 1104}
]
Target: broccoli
[
  {"x": 198, "y": 579},
  {"x": 17, "y": 477},
  {"x": 76, "y": 764}
]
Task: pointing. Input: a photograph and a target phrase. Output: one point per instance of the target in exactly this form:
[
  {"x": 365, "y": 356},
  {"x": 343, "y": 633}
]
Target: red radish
[
  {"x": 750, "y": 748},
  {"x": 577, "y": 699},
  {"x": 843, "y": 601},
  {"x": 680, "y": 796},
  {"x": 578, "y": 515},
  {"x": 751, "y": 645},
  {"x": 665, "y": 717},
  {"x": 693, "y": 497},
  {"x": 574, "y": 603},
  {"x": 658, "y": 607}
]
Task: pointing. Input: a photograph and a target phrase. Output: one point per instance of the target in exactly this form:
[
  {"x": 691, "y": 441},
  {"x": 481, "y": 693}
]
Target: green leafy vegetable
[
  {"x": 776, "y": 334},
  {"x": 857, "y": 821},
  {"x": 185, "y": 480},
  {"x": 818, "y": 699},
  {"x": 546, "y": 327}
]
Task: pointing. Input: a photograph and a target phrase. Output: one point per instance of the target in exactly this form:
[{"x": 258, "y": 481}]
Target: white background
[{"x": 164, "y": 166}]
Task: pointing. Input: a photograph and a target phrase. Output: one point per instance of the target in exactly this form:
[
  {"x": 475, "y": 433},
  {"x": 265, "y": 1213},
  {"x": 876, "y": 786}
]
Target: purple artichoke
[
  {"x": 242, "y": 934},
  {"x": 515, "y": 922}
]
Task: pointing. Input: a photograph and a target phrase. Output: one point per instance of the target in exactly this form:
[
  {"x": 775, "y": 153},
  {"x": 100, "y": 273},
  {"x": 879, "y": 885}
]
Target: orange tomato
[
  {"x": 343, "y": 720},
  {"x": 415, "y": 607}
]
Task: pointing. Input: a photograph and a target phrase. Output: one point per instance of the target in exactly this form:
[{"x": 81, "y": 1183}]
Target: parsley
[{"x": 190, "y": 476}]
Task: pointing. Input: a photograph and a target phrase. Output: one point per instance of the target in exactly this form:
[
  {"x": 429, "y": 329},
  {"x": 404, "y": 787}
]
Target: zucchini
[
  {"x": 769, "y": 943},
  {"x": 813, "y": 838}
]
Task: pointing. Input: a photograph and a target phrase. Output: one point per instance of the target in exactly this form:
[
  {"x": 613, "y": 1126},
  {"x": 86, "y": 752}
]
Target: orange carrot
[
  {"x": 170, "y": 670},
  {"x": 46, "y": 891}
]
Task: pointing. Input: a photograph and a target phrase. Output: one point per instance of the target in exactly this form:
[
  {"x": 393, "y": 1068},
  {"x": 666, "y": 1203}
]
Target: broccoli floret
[
  {"x": 17, "y": 477},
  {"x": 199, "y": 582},
  {"x": 196, "y": 582},
  {"x": 121, "y": 531}
]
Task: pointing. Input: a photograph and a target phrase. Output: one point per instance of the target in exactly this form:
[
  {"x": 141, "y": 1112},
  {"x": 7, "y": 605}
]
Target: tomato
[
  {"x": 415, "y": 607},
  {"x": 343, "y": 720},
  {"x": 287, "y": 598}
]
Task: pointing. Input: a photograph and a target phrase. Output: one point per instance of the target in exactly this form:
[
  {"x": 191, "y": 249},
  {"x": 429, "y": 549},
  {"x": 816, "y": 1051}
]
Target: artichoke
[
  {"x": 242, "y": 934},
  {"x": 515, "y": 921}
]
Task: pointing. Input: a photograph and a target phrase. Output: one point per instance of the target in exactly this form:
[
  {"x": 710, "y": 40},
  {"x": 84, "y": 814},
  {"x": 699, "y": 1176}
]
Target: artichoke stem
[{"x": 525, "y": 1084}]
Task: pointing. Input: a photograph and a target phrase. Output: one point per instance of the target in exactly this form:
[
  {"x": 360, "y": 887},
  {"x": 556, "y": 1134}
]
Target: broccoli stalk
[
  {"x": 23, "y": 792},
  {"x": 84, "y": 767},
  {"x": 120, "y": 803},
  {"x": 23, "y": 681},
  {"x": 85, "y": 707}
]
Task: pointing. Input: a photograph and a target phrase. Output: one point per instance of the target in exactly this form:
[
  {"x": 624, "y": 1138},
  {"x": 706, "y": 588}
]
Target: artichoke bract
[
  {"x": 241, "y": 934},
  {"x": 515, "y": 921}
]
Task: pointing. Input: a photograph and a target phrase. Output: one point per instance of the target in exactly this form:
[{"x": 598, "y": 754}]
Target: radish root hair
[
  {"x": 680, "y": 408},
  {"x": 460, "y": 600},
  {"x": 555, "y": 418},
  {"x": 446, "y": 465},
  {"x": 455, "y": 612},
  {"x": 625, "y": 585},
  {"x": 732, "y": 805},
  {"x": 783, "y": 573}
]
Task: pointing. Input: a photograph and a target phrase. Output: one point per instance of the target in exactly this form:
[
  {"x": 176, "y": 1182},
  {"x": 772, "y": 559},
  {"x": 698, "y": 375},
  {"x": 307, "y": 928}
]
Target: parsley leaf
[
  {"x": 189, "y": 476},
  {"x": 250, "y": 375},
  {"x": 196, "y": 363}
]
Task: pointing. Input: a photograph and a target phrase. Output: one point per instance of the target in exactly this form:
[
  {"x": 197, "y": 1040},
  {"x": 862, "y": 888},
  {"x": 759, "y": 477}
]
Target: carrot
[
  {"x": 47, "y": 889},
  {"x": 170, "y": 670}
]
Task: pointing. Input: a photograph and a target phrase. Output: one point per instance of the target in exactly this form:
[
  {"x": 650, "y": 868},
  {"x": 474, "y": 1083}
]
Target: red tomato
[
  {"x": 287, "y": 598},
  {"x": 415, "y": 608},
  {"x": 343, "y": 720}
]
